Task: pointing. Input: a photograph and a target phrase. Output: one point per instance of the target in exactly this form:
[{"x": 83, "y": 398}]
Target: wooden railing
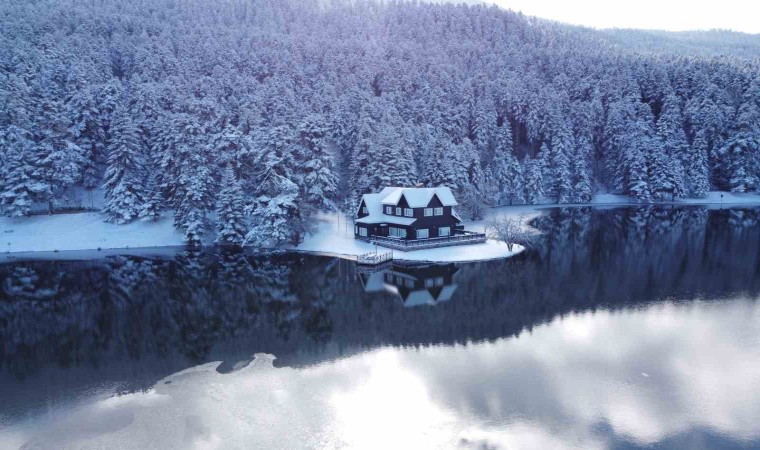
[
  {"x": 374, "y": 258},
  {"x": 467, "y": 237}
]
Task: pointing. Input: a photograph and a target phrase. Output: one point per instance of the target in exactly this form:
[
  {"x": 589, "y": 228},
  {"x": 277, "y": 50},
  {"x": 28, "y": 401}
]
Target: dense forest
[{"x": 244, "y": 118}]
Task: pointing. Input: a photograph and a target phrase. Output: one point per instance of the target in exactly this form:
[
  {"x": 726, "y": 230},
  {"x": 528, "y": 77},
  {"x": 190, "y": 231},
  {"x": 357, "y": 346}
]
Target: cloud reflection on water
[{"x": 583, "y": 381}]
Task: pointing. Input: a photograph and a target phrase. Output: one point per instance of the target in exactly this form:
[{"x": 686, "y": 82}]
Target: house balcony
[{"x": 408, "y": 245}]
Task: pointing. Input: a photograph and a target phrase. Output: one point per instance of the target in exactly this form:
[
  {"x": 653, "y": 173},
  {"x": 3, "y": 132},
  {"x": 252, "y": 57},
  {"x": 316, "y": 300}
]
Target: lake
[{"x": 619, "y": 328}]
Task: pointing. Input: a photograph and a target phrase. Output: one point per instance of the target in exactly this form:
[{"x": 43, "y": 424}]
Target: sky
[{"x": 671, "y": 15}]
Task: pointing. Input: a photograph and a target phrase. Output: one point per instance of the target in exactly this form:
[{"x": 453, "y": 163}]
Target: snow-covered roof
[
  {"x": 425, "y": 297},
  {"x": 379, "y": 217},
  {"x": 418, "y": 197}
]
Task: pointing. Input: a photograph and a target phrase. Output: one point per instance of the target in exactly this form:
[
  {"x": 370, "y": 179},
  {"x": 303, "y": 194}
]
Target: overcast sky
[{"x": 673, "y": 15}]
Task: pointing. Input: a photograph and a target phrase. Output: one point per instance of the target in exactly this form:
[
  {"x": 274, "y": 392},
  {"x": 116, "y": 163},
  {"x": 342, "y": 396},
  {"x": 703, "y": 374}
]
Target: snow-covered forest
[{"x": 244, "y": 118}]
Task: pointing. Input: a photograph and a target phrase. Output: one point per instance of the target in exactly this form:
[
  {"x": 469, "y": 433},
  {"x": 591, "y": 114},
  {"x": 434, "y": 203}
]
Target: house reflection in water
[{"x": 416, "y": 285}]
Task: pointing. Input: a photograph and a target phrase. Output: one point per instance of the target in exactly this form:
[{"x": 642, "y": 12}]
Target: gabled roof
[{"x": 418, "y": 197}]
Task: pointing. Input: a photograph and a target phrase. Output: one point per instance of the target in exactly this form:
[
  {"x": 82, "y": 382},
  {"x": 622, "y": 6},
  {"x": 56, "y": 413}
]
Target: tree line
[{"x": 245, "y": 118}]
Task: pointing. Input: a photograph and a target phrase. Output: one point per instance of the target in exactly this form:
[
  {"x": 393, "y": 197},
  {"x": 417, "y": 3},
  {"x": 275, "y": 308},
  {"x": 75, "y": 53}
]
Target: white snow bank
[{"x": 84, "y": 231}]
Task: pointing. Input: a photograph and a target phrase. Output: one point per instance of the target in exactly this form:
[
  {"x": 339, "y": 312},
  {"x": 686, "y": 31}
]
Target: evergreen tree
[
  {"x": 18, "y": 187},
  {"x": 153, "y": 200},
  {"x": 581, "y": 178},
  {"x": 509, "y": 177},
  {"x": 534, "y": 182},
  {"x": 319, "y": 178},
  {"x": 125, "y": 171},
  {"x": 559, "y": 167},
  {"x": 231, "y": 225}
]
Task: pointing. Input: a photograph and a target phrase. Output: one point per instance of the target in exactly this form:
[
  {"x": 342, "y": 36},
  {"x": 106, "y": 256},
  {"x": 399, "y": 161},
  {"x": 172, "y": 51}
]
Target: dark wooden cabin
[{"x": 408, "y": 214}]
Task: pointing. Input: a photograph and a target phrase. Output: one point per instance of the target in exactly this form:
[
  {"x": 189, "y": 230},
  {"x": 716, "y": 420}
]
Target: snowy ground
[
  {"x": 88, "y": 231},
  {"x": 84, "y": 231}
]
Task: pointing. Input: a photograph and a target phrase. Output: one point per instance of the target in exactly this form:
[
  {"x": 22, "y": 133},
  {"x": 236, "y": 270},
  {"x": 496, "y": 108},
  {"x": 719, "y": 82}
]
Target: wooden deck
[{"x": 421, "y": 244}]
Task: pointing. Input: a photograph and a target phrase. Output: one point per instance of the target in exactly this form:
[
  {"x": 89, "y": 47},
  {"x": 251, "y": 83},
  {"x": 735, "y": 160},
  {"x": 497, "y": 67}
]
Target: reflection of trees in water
[{"x": 84, "y": 313}]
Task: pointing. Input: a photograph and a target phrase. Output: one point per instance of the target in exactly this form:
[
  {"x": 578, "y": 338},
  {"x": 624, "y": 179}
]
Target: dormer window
[
  {"x": 408, "y": 212},
  {"x": 364, "y": 210},
  {"x": 438, "y": 211},
  {"x": 389, "y": 210},
  {"x": 398, "y": 211},
  {"x": 428, "y": 212}
]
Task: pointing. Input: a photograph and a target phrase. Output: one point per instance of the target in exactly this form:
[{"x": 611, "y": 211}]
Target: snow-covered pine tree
[
  {"x": 274, "y": 214},
  {"x": 58, "y": 161},
  {"x": 534, "y": 181},
  {"x": 18, "y": 187},
  {"x": 87, "y": 132},
  {"x": 697, "y": 169},
  {"x": 559, "y": 166},
  {"x": 581, "y": 176},
  {"x": 508, "y": 175},
  {"x": 153, "y": 201},
  {"x": 318, "y": 169},
  {"x": 230, "y": 210},
  {"x": 125, "y": 171}
]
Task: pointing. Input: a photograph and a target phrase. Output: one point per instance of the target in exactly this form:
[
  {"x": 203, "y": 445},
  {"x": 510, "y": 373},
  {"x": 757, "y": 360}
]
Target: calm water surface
[{"x": 624, "y": 328}]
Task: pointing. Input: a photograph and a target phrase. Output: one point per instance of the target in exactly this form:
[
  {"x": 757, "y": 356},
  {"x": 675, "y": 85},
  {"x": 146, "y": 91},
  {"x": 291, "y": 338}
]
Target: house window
[
  {"x": 444, "y": 231},
  {"x": 397, "y": 232},
  {"x": 364, "y": 210},
  {"x": 409, "y": 283},
  {"x": 429, "y": 282},
  {"x": 428, "y": 212},
  {"x": 423, "y": 233},
  {"x": 408, "y": 212},
  {"x": 388, "y": 210},
  {"x": 438, "y": 211},
  {"x": 362, "y": 231},
  {"x": 439, "y": 281},
  {"x": 398, "y": 211}
]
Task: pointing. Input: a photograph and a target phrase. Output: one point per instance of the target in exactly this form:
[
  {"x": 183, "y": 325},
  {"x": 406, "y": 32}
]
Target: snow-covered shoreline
[{"x": 86, "y": 233}]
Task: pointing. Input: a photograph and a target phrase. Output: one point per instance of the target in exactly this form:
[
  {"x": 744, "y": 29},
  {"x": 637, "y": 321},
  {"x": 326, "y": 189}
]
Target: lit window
[
  {"x": 439, "y": 211},
  {"x": 423, "y": 233},
  {"x": 398, "y": 211},
  {"x": 428, "y": 212},
  {"x": 362, "y": 231},
  {"x": 388, "y": 210},
  {"x": 444, "y": 231},
  {"x": 408, "y": 212}
]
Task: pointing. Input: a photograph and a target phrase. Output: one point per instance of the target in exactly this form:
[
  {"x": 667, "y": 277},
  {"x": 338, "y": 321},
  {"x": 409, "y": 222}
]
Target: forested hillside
[{"x": 243, "y": 118}]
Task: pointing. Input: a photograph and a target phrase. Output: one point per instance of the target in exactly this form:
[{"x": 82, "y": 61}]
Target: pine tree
[
  {"x": 153, "y": 200},
  {"x": 231, "y": 225},
  {"x": 509, "y": 177},
  {"x": 319, "y": 178},
  {"x": 274, "y": 213},
  {"x": 559, "y": 167},
  {"x": 534, "y": 182},
  {"x": 581, "y": 178},
  {"x": 125, "y": 172},
  {"x": 697, "y": 169},
  {"x": 18, "y": 187}
]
